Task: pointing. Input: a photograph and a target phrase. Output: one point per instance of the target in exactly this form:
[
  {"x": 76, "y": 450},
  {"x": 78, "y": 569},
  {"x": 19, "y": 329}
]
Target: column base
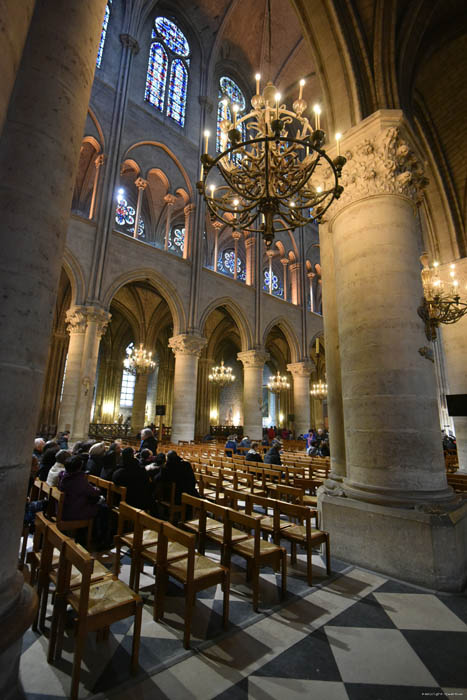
[
  {"x": 14, "y": 623},
  {"x": 400, "y": 498},
  {"x": 418, "y": 546}
]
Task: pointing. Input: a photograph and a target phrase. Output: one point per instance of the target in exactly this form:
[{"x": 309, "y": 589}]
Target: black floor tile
[
  {"x": 397, "y": 587},
  {"x": 310, "y": 659},
  {"x": 457, "y": 604},
  {"x": 365, "y": 613},
  {"x": 443, "y": 653},
  {"x": 239, "y": 691},
  {"x": 361, "y": 691}
]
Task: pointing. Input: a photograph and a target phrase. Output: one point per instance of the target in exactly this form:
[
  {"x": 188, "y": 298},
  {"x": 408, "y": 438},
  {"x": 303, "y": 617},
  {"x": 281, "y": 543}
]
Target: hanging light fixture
[
  {"x": 273, "y": 180},
  {"x": 221, "y": 375},
  {"x": 441, "y": 302},
  {"x": 139, "y": 361},
  {"x": 278, "y": 383},
  {"x": 319, "y": 390}
]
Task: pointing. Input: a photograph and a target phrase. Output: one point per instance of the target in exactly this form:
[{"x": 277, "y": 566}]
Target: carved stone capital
[
  {"x": 141, "y": 183},
  {"x": 76, "y": 319},
  {"x": 100, "y": 317},
  {"x": 236, "y": 235},
  {"x": 129, "y": 42},
  {"x": 185, "y": 344},
  {"x": 217, "y": 225},
  {"x": 189, "y": 208},
  {"x": 250, "y": 241},
  {"x": 170, "y": 200},
  {"x": 285, "y": 261},
  {"x": 300, "y": 369},
  {"x": 205, "y": 102},
  {"x": 253, "y": 358},
  {"x": 99, "y": 160},
  {"x": 379, "y": 162}
]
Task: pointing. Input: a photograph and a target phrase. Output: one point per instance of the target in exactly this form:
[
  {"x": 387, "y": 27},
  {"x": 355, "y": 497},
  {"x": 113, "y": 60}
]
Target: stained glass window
[
  {"x": 176, "y": 102},
  {"x": 176, "y": 240},
  {"x": 226, "y": 265},
  {"x": 125, "y": 217},
  {"x": 127, "y": 390},
  {"x": 157, "y": 76},
  {"x": 105, "y": 24},
  {"x": 168, "y": 56},
  {"x": 276, "y": 286},
  {"x": 229, "y": 95}
]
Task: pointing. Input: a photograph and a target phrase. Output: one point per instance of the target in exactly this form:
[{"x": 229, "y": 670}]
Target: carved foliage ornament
[
  {"x": 187, "y": 344},
  {"x": 384, "y": 164}
]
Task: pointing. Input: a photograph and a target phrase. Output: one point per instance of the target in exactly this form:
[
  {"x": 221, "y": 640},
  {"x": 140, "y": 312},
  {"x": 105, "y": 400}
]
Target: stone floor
[{"x": 354, "y": 636}]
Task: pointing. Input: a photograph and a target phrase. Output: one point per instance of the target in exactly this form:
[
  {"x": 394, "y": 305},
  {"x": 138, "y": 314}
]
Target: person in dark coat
[
  {"x": 148, "y": 441},
  {"x": 96, "y": 459},
  {"x": 81, "y": 497},
  {"x": 48, "y": 459},
  {"x": 231, "y": 444},
  {"x": 273, "y": 456},
  {"x": 110, "y": 461},
  {"x": 135, "y": 478},
  {"x": 63, "y": 440},
  {"x": 178, "y": 471},
  {"x": 253, "y": 455}
]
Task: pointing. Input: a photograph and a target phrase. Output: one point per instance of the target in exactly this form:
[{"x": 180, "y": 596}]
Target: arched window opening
[
  {"x": 168, "y": 55},
  {"x": 226, "y": 265},
  {"x": 229, "y": 95},
  {"x": 176, "y": 240},
  {"x": 125, "y": 217},
  {"x": 127, "y": 390},
  {"x": 272, "y": 284},
  {"x": 105, "y": 25}
]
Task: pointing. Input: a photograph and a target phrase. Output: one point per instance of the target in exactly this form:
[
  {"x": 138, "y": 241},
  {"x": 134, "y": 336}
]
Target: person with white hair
[
  {"x": 148, "y": 441},
  {"x": 38, "y": 447},
  {"x": 96, "y": 459}
]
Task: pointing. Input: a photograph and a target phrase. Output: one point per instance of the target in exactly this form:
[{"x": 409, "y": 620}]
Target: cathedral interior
[{"x": 109, "y": 244}]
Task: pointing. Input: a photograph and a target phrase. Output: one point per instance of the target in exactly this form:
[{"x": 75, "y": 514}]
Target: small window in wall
[
  {"x": 226, "y": 265},
  {"x": 229, "y": 95},
  {"x": 168, "y": 56},
  {"x": 176, "y": 240},
  {"x": 125, "y": 217},
  {"x": 272, "y": 284},
  {"x": 105, "y": 25},
  {"x": 127, "y": 390}
]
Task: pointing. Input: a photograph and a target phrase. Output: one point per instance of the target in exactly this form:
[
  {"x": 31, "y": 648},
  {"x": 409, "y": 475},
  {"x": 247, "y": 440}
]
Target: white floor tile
[
  {"x": 262, "y": 688},
  {"x": 379, "y": 656},
  {"x": 419, "y": 611}
]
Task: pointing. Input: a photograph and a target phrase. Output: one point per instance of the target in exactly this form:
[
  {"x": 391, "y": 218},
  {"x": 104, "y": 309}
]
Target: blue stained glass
[
  {"x": 176, "y": 102},
  {"x": 157, "y": 76},
  {"x": 105, "y": 24},
  {"x": 173, "y": 37},
  {"x": 141, "y": 233},
  {"x": 276, "y": 285},
  {"x": 230, "y": 90},
  {"x": 226, "y": 265},
  {"x": 176, "y": 240},
  {"x": 124, "y": 213}
]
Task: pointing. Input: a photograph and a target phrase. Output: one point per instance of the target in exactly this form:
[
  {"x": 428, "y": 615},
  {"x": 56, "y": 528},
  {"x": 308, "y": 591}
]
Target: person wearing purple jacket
[{"x": 81, "y": 498}]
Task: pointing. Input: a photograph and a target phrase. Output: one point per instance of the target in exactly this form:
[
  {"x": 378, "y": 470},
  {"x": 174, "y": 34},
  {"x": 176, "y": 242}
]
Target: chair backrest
[
  {"x": 232, "y": 497},
  {"x": 146, "y": 522},
  {"x": 214, "y": 509},
  {"x": 266, "y": 504},
  {"x": 213, "y": 482},
  {"x": 56, "y": 502},
  {"x": 76, "y": 556},
  {"x": 115, "y": 495},
  {"x": 195, "y": 503},
  {"x": 289, "y": 493},
  {"x": 52, "y": 539},
  {"x": 93, "y": 479},
  {"x": 249, "y": 523},
  {"x": 297, "y": 512},
  {"x": 170, "y": 533},
  {"x": 126, "y": 514}
]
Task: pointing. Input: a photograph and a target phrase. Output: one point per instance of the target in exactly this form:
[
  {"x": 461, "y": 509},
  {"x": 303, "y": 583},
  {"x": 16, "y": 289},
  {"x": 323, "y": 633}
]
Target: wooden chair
[
  {"x": 196, "y": 572},
  {"x": 301, "y": 532},
  {"x": 126, "y": 526},
  {"x": 57, "y": 501},
  {"x": 174, "y": 509},
  {"x": 268, "y": 518},
  {"x": 200, "y": 523},
  {"x": 290, "y": 494},
  {"x": 97, "y": 606},
  {"x": 211, "y": 487},
  {"x": 255, "y": 551}
]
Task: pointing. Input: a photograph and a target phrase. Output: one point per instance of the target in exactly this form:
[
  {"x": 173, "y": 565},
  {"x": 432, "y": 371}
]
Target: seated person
[
  {"x": 253, "y": 455},
  {"x": 273, "y": 456},
  {"x": 231, "y": 444},
  {"x": 60, "y": 458},
  {"x": 146, "y": 458},
  {"x": 81, "y": 497},
  {"x": 245, "y": 442},
  {"x": 136, "y": 480},
  {"x": 95, "y": 460},
  {"x": 110, "y": 461},
  {"x": 178, "y": 471},
  {"x": 148, "y": 441}
]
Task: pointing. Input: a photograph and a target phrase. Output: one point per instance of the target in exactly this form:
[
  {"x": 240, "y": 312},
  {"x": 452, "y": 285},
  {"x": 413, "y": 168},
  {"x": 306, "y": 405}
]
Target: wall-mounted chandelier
[
  {"x": 319, "y": 390},
  {"x": 221, "y": 375},
  {"x": 278, "y": 383},
  {"x": 139, "y": 361},
  {"x": 441, "y": 301},
  {"x": 273, "y": 180}
]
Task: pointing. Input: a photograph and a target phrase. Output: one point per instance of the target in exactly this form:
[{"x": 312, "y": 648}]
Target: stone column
[
  {"x": 295, "y": 283},
  {"x": 301, "y": 372},
  {"x": 270, "y": 254},
  {"x": 41, "y": 139},
  {"x": 98, "y": 164},
  {"x": 250, "y": 259},
  {"x": 187, "y": 350},
  {"x": 455, "y": 349},
  {"x": 311, "y": 276},
  {"x": 285, "y": 262},
  {"x": 76, "y": 320},
  {"x": 333, "y": 360},
  {"x": 14, "y": 24},
  {"x": 139, "y": 402},
  {"x": 236, "y": 235},
  {"x": 203, "y": 397},
  {"x": 253, "y": 365},
  {"x": 189, "y": 213},
  {"x": 170, "y": 200},
  {"x": 141, "y": 184},
  {"x": 152, "y": 393},
  {"x": 97, "y": 320},
  {"x": 217, "y": 225}
]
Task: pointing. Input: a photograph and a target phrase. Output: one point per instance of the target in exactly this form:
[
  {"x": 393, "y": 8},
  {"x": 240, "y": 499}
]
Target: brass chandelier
[
  {"x": 221, "y": 375},
  {"x": 272, "y": 180},
  {"x": 278, "y": 383},
  {"x": 441, "y": 302},
  {"x": 139, "y": 361},
  {"x": 319, "y": 390}
]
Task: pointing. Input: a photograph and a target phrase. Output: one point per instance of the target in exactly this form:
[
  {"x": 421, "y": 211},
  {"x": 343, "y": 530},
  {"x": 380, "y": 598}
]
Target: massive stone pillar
[
  {"x": 139, "y": 402},
  {"x": 394, "y": 455},
  {"x": 187, "y": 350},
  {"x": 301, "y": 372},
  {"x": 205, "y": 366},
  {"x": 253, "y": 365},
  {"x": 86, "y": 324},
  {"x": 41, "y": 139},
  {"x": 333, "y": 361},
  {"x": 14, "y": 23}
]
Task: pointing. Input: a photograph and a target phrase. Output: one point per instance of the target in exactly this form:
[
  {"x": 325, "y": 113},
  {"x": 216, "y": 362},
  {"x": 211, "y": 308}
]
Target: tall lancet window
[
  {"x": 105, "y": 25},
  {"x": 230, "y": 96},
  {"x": 167, "y": 77}
]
